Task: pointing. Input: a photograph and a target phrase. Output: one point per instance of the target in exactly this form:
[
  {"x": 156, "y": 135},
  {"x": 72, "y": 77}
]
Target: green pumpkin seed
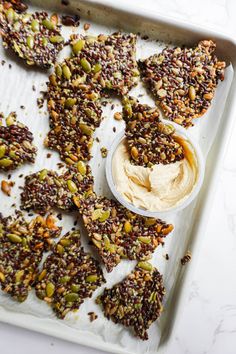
[
  {"x": 65, "y": 279},
  {"x": 86, "y": 129},
  {"x": 96, "y": 214},
  {"x": 144, "y": 239},
  {"x": 2, "y": 150},
  {"x": 127, "y": 227},
  {"x": 10, "y": 120},
  {"x": 72, "y": 186},
  {"x": 58, "y": 70},
  {"x": 97, "y": 243},
  {"x": 10, "y": 13},
  {"x": 97, "y": 67},
  {"x": 145, "y": 266},
  {"x": 35, "y": 25},
  {"x": 56, "y": 39},
  {"x": 66, "y": 72},
  {"x": 85, "y": 65},
  {"x": 70, "y": 102},
  {"x": 48, "y": 24},
  {"x": 60, "y": 249},
  {"x": 30, "y": 42},
  {"x": 152, "y": 297},
  {"x": 17, "y": 49},
  {"x": 71, "y": 297},
  {"x": 12, "y": 154},
  {"x": 43, "y": 174},
  {"x": 150, "y": 221},
  {"x": 128, "y": 109},
  {"x": 17, "y": 26},
  {"x": 137, "y": 306},
  {"x": 91, "y": 278},
  {"x": 81, "y": 167},
  {"x": 14, "y": 238},
  {"x": 78, "y": 46},
  {"x": 106, "y": 242},
  {"x": 50, "y": 289},
  {"x": 5, "y": 162},
  {"x": 19, "y": 274},
  {"x": 44, "y": 42},
  {"x": 75, "y": 288},
  {"x": 65, "y": 242},
  {"x": 105, "y": 215}
]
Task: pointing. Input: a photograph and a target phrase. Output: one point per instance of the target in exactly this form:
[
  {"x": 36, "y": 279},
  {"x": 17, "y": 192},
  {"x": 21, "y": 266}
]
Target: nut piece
[
  {"x": 118, "y": 116},
  {"x": 6, "y": 187}
]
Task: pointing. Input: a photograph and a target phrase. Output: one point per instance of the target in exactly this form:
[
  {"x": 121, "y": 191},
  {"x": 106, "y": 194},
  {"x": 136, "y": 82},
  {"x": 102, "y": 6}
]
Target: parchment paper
[{"x": 16, "y": 90}]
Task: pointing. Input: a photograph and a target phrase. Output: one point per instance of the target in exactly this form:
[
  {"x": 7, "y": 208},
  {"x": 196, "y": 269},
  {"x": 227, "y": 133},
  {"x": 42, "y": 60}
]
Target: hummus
[{"x": 158, "y": 188}]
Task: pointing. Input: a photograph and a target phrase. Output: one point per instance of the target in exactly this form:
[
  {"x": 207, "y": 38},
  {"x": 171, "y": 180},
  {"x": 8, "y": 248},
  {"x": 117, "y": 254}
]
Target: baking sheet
[{"x": 16, "y": 90}]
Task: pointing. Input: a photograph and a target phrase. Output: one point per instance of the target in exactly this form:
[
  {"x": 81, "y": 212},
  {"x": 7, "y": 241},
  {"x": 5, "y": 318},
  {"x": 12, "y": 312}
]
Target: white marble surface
[{"x": 208, "y": 323}]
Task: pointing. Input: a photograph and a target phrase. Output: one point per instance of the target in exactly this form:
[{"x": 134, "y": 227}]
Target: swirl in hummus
[{"x": 157, "y": 188}]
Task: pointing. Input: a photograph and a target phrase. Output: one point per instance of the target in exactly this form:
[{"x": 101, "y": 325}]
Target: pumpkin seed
[
  {"x": 44, "y": 42},
  {"x": 56, "y": 39},
  {"x": 12, "y": 154},
  {"x": 91, "y": 278},
  {"x": 48, "y": 24},
  {"x": 150, "y": 221},
  {"x": 144, "y": 239},
  {"x": 104, "y": 216},
  {"x": 70, "y": 102},
  {"x": 145, "y": 265},
  {"x": 35, "y": 25},
  {"x": 71, "y": 297},
  {"x": 86, "y": 129},
  {"x": 97, "y": 67},
  {"x": 75, "y": 288},
  {"x": 65, "y": 242},
  {"x": 2, "y": 277},
  {"x": 5, "y": 162},
  {"x": 58, "y": 70},
  {"x": 14, "y": 238},
  {"x": 60, "y": 249},
  {"x": 72, "y": 186},
  {"x": 19, "y": 274},
  {"x": 85, "y": 65},
  {"x": 106, "y": 242},
  {"x": 96, "y": 214},
  {"x": 97, "y": 243},
  {"x": 128, "y": 109},
  {"x": 42, "y": 275},
  {"x": 2, "y": 150},
  {"x": 127, "y": 227},
  {"x": 10, "y": 120},
  {"x": 66, "y": 72},
  {"x": 78, "y": 46},
  {"x": 81, "y": 168},
  {"x": 65, "y": 279},
  {"x": 50, "y": 289},
  {"x": 10, "y": 13},
  {"x": 43, "y": 174}
]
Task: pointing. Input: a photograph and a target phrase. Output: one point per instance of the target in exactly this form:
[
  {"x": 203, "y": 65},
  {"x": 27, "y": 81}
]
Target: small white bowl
[{"x": 179, "y": 131}]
